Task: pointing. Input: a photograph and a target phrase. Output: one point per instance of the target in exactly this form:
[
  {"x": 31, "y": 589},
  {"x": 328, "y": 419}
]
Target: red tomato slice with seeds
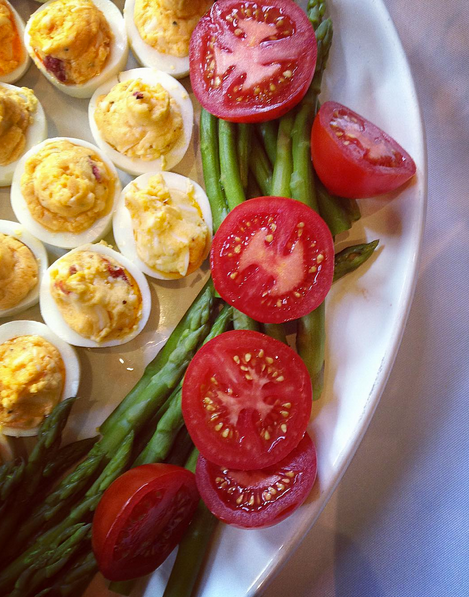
[
  {"x": 252, "y": 61},
  {"x": 246, "y": 400},
  {"x": 353, "y": 157},
  {"x": 141, "y": 518},
  {"x": 273, "y": 259},
  {"x": 259, "y": 498}
]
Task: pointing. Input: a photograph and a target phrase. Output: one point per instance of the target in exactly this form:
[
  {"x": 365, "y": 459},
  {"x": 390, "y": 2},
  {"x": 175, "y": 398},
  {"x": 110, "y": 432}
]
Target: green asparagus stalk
[
  {"x": 172, "y": 421},
  {"x": 253, "y": 190},
  {"x": 211, "y": 167},
  {"x": 333, "y": 210},
  {"x": 268, "y": 132},
  {"x": 353, "y": 209},
  {"x": 67, "y": 456},
  {"x": 181, "y": 448},
  {"x": 229, "y": 169},
  {"x": 351, "y": 258},
  {"x": 14, "y": 473},
  {"x": 79, "y": 514},
  {"x": 283, "y": 166},
  {"x": 62, "y": 498},
  {"x": 243, "y": 322},
  {"x": 276, "y": 331},
  {"x": 315, "y": 11},
  {"x": 168, "y": 368},
  {"x": 243, "y": 146},
  {"x": 260, "y": 167}
]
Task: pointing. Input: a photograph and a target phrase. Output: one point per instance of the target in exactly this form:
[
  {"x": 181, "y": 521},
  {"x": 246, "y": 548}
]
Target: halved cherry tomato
[
  {"x": 273, "y": 259},
  {"x": 353, "y": 157},
  {"x": 259, "y": 498},
  {"x": 252, "y": 60},
  {"x": 141, "y": 518},
  {"x": 246, "y": 400}
]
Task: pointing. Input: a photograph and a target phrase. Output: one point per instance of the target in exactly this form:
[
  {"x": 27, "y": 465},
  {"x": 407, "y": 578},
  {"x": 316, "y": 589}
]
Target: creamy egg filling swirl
[
  {"x": 16, "y": 115},
  {"x": 72, "y": 39},
  {"x": 11, "y": 48},
  {"x": 32, "y": 377},
  {"x": 139, "y": 120},
  {"x": 19, "y": 271},
  {"x": 96, "y": 296},
  {"x": 170, "y": 233},
  {"x": 167, "y": 25},
  {"x": 67, "y": 187}
]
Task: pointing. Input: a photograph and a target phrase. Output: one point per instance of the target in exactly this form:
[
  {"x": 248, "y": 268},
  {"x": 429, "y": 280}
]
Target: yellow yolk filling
[
  {"x": 167, "y": 25},
  {"x": 72, "y": 39},
  {"x": 97, "y": 298},
  {"x": 32, "y": 377},
  {"x": 16, "y": 109},
  {"x": 67, "y": 187},
  {"x": 11, "y": 49},
  {"x": 170, "y": 233},
  {"x": 18, "y": 271},
  {"x": 139, "y": 120}
]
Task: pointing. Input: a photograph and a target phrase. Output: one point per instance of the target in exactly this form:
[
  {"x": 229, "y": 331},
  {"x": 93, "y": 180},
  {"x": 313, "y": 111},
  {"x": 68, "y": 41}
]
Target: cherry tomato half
[
  {"x": 353, "y": 157},
  {"x": 141, "y": 518},
  {"x": 246, "y": 400},
  {"x": 273, "y": 259},
  {"x": 259, "y": 498},
  {"x": 252, "y": 60}
]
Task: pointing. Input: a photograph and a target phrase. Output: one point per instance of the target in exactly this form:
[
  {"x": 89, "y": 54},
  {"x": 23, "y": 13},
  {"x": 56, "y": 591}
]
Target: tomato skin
[
  {"x": 246, "y": 400},
  {"x": 264, "y": 96},
  {"x": 138, "y": 509},
  {"x": 342, "y": 169},
  {"x": 291, "y": 479},
  {"x": 273, "y": 259}
]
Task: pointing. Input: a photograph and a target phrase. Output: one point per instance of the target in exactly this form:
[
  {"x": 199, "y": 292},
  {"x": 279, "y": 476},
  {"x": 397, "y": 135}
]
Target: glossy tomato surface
[
  {"x": 258, "y": 498},
  {"x": 246, "y": 400},
  {"x": 252, "y": 61},
  {"x": 273, "y": 259},
  {"x": 353, "y": 157},
  {"x": 141, "y": 518}
]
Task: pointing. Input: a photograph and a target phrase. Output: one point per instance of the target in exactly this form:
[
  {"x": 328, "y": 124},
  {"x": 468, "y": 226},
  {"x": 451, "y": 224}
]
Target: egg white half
[
  {"x": 65, "y": 240},
  {"x": 35, "y": 133},
  {"x": 122, "y": 221},
  {"x": 137, "y": 166},
  {"x": 177, "y": 66},
  {"x": 23, "y": 67},
  {"x": 72, "y": 365},
  {"x": 37, "y": 249},
  {"x": 53, "y": 318},
  {"x": 117, "y": 57}
]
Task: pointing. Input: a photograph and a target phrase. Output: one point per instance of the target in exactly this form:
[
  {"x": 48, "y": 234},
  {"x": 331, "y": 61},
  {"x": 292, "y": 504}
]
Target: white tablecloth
[{"x": 398, "y": 524}]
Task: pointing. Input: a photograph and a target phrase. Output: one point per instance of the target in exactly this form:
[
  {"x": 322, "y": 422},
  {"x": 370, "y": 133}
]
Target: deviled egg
[
  {"x": 163, "y": 224},
  {"x": 23, "y": 261},
  {"x": 64, "y": 191},
  {"x": 22, "y": 125},
  {"x": 95, "y": 297},
  {"x": 37, "y": 370},
  {"x": 143, "y": 120},
  {"x": 160, "y": 30},
  {"x": 77, "y": 44},
  {"x": 14, "y": 59}
]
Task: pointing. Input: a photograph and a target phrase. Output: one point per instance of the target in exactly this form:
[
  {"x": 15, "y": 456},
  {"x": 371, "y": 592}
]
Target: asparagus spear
[
  {"x": 349, "y": 259},
  {"x": 243, "y": 146},
  {"x": 67, "y": 456},
  {"x": 79, "y": 514},
  {"x": 211, "y": 167},
  {"x": 162, "y": 374},
  {"x": 260, "y": 167},
  {"x": 268, "y": 132},
  {"x": 229, "y": 169},
  {"x": 333, "y": 210}
]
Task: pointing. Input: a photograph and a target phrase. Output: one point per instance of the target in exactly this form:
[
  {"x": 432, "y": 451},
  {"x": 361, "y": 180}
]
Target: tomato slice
[
  {"x": 246, "y": 400},
  {"x": 259, "y": 498},
  {"x": 252, "y": 60},
  {"x": 141, "y": 518},
  {"x": 353, "y": 157},
  {"x": 273, "y": 259}
]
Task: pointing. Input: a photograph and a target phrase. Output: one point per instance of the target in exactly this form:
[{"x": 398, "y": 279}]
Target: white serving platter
[{"x": 366, "y": 311}]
